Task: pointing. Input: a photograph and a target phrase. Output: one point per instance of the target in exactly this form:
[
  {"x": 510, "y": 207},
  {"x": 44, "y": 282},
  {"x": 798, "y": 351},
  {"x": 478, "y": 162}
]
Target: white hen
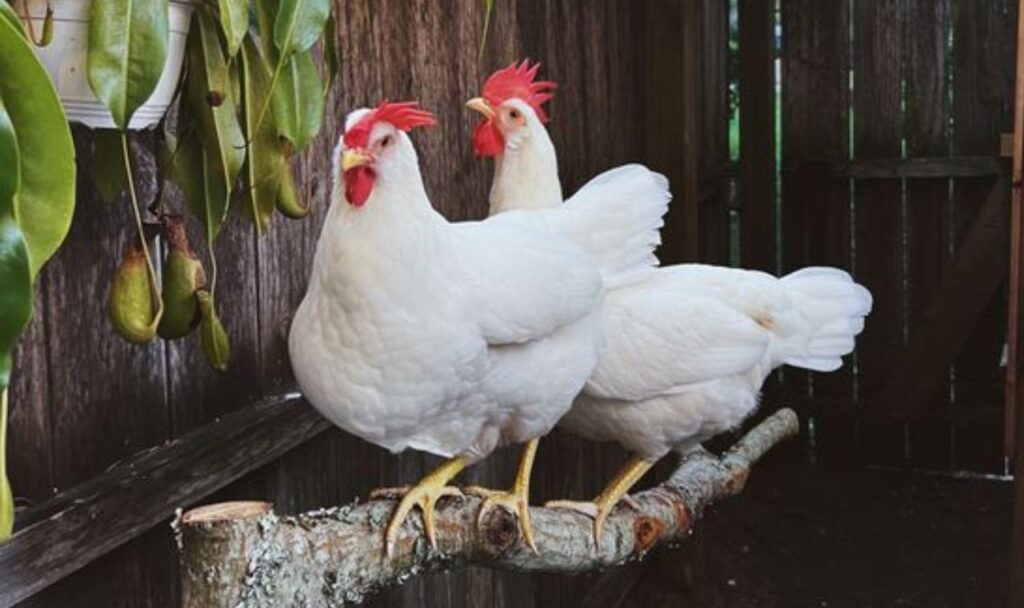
[
  {"x": 452, "y": 338},
  {"x": 689, "y": 346}
]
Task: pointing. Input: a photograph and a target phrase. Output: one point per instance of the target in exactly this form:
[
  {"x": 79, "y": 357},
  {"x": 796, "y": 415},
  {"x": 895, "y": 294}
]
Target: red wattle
[
  {"x": 487, "y": 139},
  {"x": 358, "y": 185}
]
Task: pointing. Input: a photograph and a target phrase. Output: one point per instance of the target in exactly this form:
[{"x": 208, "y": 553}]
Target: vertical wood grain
[
  {"x": 928, "y": 209},
  {"x": 29, "y": 431},
  {"x": 816, "y": 207},
  {"x": 878, "y": 123},
  {"x": 757, "y": 134},
  {"x": 983, "y": 35}
]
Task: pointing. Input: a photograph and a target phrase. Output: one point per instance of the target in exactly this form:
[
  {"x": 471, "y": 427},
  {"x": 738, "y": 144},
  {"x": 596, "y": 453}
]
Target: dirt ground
[{"x": 804, "y": 536}]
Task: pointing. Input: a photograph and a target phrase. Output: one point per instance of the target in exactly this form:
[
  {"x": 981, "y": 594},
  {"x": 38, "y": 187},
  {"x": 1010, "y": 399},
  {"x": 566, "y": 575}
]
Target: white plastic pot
[{"x": 65, "y": 59}]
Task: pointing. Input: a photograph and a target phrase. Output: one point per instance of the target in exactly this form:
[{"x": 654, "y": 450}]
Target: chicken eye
[
  {"x": 384, "y": 143},
  {"x": 514, "y": 114}
]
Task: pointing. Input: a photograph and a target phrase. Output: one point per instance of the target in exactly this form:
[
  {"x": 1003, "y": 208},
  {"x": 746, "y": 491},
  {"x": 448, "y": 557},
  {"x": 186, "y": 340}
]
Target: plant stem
[
  {"x": 488, "y": 7},
  {"x": 213, "y": 262},
  {"x": 138, "y": 222}
]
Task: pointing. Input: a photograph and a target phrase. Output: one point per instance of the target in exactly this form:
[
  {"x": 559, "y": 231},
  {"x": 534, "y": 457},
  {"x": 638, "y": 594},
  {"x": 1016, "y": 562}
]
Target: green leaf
[
  {"x": 15, "y": 271},
  {"x": 330, "y": 53},
  {"x": 288, "y": 201},
  {"x": 215, "y": 118},
  {"x": 299, "y": 24},
  {"x": 212, "y": 336},
  {"x": 265, "y": 161},
  {"x": 127, "y": 52},
  {"x": 6, "y": 12},
  {"x": 46, "y": 199},
  {"x": 199, "y": 177},
  {"x": 234, "y": 21},
  {"x": 297, "y": 106},
  {"x": 106, "y": 166},
  {"x": 298, "y": 101}
]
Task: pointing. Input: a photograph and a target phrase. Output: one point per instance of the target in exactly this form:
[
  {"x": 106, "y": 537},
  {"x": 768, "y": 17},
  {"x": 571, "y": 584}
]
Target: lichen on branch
[{"x": 243, "y": 554}]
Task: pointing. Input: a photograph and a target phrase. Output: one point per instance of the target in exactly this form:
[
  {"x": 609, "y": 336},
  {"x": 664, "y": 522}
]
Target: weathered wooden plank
[
  {"x": 816, "y": 208},
  {"x": 982, "y": 81},
  {"x": 757, "y": 134},
  {"x": 915, "y": 168},
  {"x": 878, "y": 128},
  {"x": 928, "y": 209},
  {"x": 29, "y": 431},
  {"x": 140, "y": 574},
  {"x": 78, "y": 526},
  {"x": 922, "y": 166}
]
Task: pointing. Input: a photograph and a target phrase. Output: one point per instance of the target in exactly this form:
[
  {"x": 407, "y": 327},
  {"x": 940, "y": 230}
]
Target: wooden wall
[
  {"x": 639, "y": 81},
  {"x": 891, "y": 115}
]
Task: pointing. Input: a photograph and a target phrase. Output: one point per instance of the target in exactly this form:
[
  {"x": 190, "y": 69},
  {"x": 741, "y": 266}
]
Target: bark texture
[{"x": 244, "y": 555}]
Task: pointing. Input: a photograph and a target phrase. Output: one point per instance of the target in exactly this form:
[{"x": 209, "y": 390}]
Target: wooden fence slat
[
  {"x": 983, "y": 36},
  {"x": 29, "y": 430},
  {"x": 878, "y": 128},
  {"x": 757, "y": 134},
  {"x": 713, "y": 131},
  {"x": 670, "y": 122},
  {"x": 816, "y": 209},
  {"x": 928, "y": 134}
]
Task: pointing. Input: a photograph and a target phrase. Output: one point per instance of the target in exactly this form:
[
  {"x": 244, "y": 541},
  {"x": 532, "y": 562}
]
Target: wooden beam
[
  {"x": 76, "y": 527},
  {"x": 910, "y": 168},
  {"x": 967, "y": 287}
]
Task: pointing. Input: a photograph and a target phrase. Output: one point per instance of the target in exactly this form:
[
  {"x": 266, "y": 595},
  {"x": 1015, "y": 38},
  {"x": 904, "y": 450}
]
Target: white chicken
[
  {"x": 456, "y": 338},
  {"x": 688, "y": 347}
]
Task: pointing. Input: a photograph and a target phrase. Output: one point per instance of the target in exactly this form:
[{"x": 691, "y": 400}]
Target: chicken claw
[
  {"x": 425, "y": 494},
  {"x": 517, "y": 500},
  {"x": 601, "y": 507}
]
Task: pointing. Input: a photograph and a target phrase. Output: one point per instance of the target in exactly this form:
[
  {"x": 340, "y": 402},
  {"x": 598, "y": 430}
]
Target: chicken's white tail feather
[
  {"x": 616, "y": 218},
  {"x": 834, "y": 307}
]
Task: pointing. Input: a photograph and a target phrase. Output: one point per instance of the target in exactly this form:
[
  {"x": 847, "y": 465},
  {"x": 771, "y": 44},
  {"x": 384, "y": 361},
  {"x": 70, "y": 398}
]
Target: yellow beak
[
  {"x": 354, "y": 158},
  {"x": 480, "y": 105}
]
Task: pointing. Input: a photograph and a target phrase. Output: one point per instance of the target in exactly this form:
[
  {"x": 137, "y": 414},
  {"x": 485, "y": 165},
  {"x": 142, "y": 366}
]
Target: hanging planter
[{"x": 65, "y": 56}]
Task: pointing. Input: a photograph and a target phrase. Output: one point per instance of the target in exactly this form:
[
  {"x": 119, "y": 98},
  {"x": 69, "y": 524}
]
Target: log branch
[{"x": 242, "y": 554}]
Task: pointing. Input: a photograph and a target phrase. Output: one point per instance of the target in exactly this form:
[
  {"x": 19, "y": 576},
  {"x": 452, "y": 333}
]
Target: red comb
[
  {"x": 404, "y": 116},
  {"x": 518, "y": 81}
]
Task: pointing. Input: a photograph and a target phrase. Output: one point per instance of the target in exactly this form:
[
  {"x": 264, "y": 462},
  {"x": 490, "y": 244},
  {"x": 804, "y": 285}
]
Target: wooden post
[{"x": 1015, "y": 423}]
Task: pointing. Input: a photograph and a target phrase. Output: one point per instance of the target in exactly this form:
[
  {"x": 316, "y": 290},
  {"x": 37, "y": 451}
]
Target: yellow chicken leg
[
  {"x": 425, "y": 494},
  {"x": 515, "y": 501},
  {"x": 601, "y": 507}
]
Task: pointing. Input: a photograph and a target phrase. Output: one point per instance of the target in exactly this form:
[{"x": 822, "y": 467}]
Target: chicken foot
[
  {"x": 601, "y": 507},
  {"x": 425, "y": 494},
  {"x": 517, "y": 500}
]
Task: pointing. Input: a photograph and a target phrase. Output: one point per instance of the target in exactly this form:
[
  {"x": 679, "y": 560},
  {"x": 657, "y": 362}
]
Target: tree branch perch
[{"x": 244, "y": 555}]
